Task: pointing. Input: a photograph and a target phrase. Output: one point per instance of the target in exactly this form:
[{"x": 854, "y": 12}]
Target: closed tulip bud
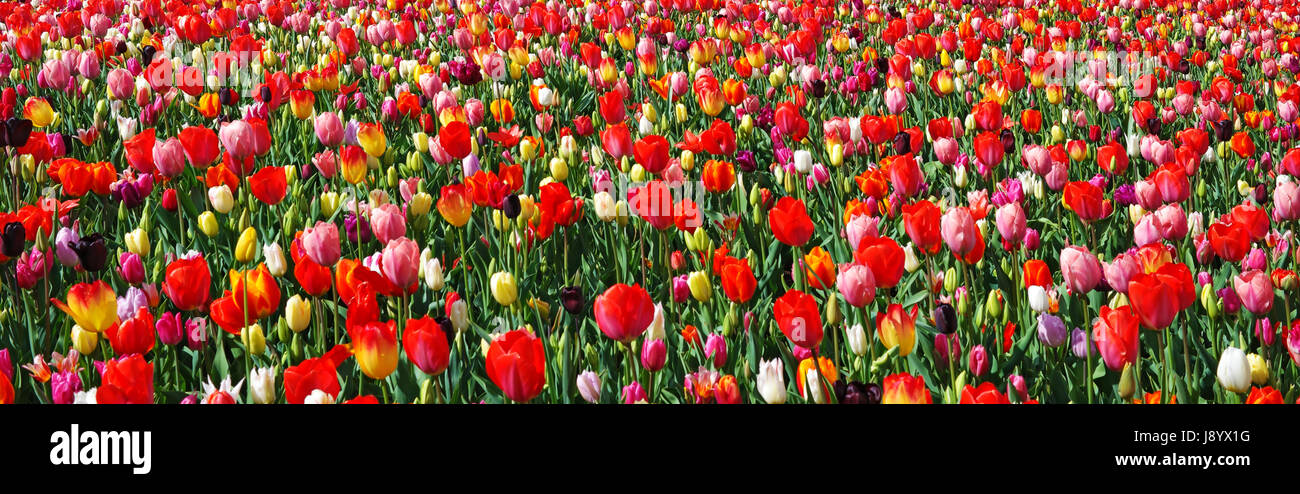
[
  {"x": 1210, "y": 301},
  {"x": 297, "y": 313},
  {"x": 589, "y": 386},
  {"x": 994, "y": 304},
  {"x": 836, "y": 154},
  {"x": 84, "y": 341},
  {"x": 771, "y": 381},
  {"x": 559, "y": 169},
  {"x": 979, "y": 361},
  {"x": 1127, "y": 381},
  {"x": 221, "y": 198},
  {"x": 208, "y": 224},
  {"x": 1039, "y": 301},
  {"x": 1258, "y": 369},
  {"x": 700, "y": 286},
  {"x": 950, "y": 280},
  {"x": 433, "y": 275},
  {"x": 833, "y": 315},
  {"x": 910, "y": 262},
  {"x": 246, "y": 247},
  {"x": 261, "y": 389},
  {"x": 1234, "y": 370},
  {"x": 687, "y": 160},
  {"x": 138, "y": 242},
  {"x": 254, "y": 339},
  {"x": 274, "y": 256},
  {"x": 593, "y": 357},
  {"x": 420, "y": 204},
  {"x": 858, "y": 341},
  {"x": 329, "y": 203},
  {"x": 959, "y": 177},
  {"x": 505, "y": 290}
]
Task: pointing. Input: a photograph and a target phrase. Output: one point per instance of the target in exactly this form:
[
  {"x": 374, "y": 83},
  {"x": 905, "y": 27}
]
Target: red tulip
[
  {"x": 617, "y": 141},
  {"x": 1159, "y": 296},
  {"x": 1230, "y": 241},
  {"x": 653, "y": 203},
  {"x": 426, "y": 345},
  {"x": 455, "y": 139},
  {"x": 720, "y": 139},
  {"x": 790, "y": 123},
  {"x": 988, "y": 149},
  {"x": 516, "y": 363},
  {"x": 139, "y": 151},
  {"x": 651, "y": 152},
  {"x": 738, "y": 281},
  {"x": 134, "y": 335},
  {"x": 1112, "y": 158},
  {"x": 1087, "y": 201},
  {"x": 269, "y": 185},
  {"x": 201, "y": 145},
  {"x": 126, "y": 379},
  {"x": 790, "y": 222},
  {"x": 1116, "y": 335},
  {"x": 313, "y": 374},
  {"x": 988, "y": 115},
  {"x": 797, "y": 315},
  {"x": 905, "y": 175},
  {"x": 623, "y": 312},
  {"x": 1254, "y": 218},
  {"x": 612, "y": 109},
  {"x": 986, "y": 394},
  {"x": 885, "y": 258},
  {"x": 187, "y": 282},
  {"x": 922, "y": 221},
  {"x": 1291, "y": 162}
]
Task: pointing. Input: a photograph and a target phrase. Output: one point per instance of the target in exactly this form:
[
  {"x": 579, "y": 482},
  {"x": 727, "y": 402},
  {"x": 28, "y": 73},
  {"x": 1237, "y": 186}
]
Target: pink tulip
[
  {"x": 238, "y": 139},
  {"x": 861, "y": 226},
  {"x": 1172, "y": 221},
  {"x": 401, "y": 262},
  {"x": 856, "y": 283},
  {"x": 326, "y": 163},
  {"x": 329, "y": 129},
  {"x": 979, "y": 361},
  {"x": 321, "y": 243},
  {"x": 1038, "y": 159},
  {"x": 958, "y": 230},
  {"x": 1080, "y": 269},
  {"x": 895, "y": 100},
  {"x": 121, "y": 84},
  {"x": 1120, "y": 270},
  {"x": 1286, "y": 201},
  {"x": 1012, "y": 223},
  {"x": 1147, "y": 230},
  {"x": 1255, "y": 290},
  {"x": 388, "y": 223},
  {"x": 169, "y": 157},
  {"x": 1105, "y": 101},
  {"x": 1148, "y": 194},
  {"x": 945, "y": 149}
]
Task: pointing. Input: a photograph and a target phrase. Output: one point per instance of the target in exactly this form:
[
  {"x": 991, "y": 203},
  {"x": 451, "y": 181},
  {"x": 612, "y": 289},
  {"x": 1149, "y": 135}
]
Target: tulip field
[{"x": 649, "y": 201}]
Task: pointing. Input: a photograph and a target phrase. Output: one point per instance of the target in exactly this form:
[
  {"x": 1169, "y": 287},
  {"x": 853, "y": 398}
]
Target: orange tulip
[
  {"x": 819, "y": 268},
  {"x": 454, "y": 205},
  {"x": 905, "y": 389},
  {"x": 261, "y": 290}
]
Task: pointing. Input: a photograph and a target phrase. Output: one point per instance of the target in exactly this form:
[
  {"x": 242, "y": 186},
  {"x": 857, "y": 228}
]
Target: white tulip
[
  {"x": 1234, "y": 370},
  {"x": 771, "y": 381}
]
